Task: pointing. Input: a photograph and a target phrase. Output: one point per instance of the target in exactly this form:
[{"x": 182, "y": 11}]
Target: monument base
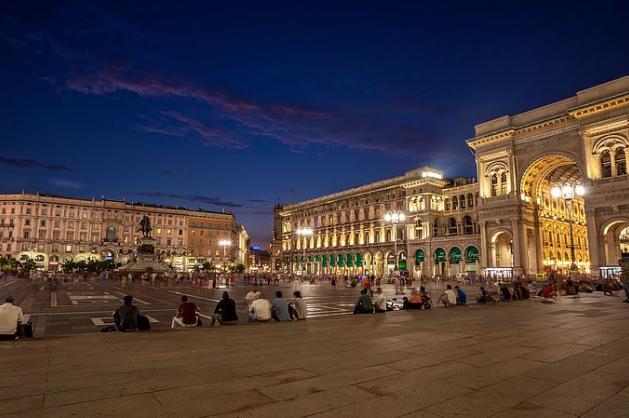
[{"x": 146, "y": 261}]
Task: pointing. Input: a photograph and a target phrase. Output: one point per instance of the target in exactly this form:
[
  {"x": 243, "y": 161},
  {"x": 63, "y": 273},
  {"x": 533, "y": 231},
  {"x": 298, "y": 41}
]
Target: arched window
[
  {"x": 462, "y": 201},
  {"x": 388, "y": 235},
  {"x": 621, "y": 162},
  {"x": 435, "y": 228},
  {"x": 494, "y": 185},
  {"x": 468, "y": 226},
  {"x": 470, "y": 200},
  {"x": 606, "y": 164},
  {"x": 110, "y": 234},
  {"x": 452, "y": 226},
  {"x": 455, "y": 203},
  {"x": 418, "y": 229},
  {"x": 446, "y": 203},
  {"x": 503, "y": 184}
]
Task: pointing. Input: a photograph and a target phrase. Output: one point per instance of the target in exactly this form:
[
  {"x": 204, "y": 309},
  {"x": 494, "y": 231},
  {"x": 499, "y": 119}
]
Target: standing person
[
  {"x": 301, "y": 307},
  {"x": 333, "y": 282},
  {"x": 279, "y": 308},
  {"x": 186, "y": 314},
  {"x": 380, "y": 301},
  {"x": 367, "y": 286},
  {"x": 225, "y": 311},
  {"x": 11, "y": 319}
]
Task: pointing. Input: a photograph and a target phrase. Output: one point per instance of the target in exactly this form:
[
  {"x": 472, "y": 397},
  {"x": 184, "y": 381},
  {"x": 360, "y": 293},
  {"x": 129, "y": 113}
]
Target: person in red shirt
[
  {"x": 550, "y": 291},
  {"x": 186, "y": 314}
]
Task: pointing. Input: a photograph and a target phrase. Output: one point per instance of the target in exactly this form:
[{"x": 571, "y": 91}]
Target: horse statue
[{"x": 145, "y": 226}]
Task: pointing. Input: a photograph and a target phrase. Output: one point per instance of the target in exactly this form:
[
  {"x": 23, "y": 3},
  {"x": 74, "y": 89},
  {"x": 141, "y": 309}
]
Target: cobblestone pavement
[
  {"x": 520, "y": 359},
  {"x": 74, "y": 308}
]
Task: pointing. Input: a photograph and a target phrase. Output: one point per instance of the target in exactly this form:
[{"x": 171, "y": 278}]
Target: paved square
[{"x": 520, "y": 359}]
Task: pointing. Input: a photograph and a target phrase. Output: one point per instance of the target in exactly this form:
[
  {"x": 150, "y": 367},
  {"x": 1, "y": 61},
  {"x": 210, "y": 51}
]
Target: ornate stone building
[
  {"x": 50, "y": 229},
  {"x": 542, "y": 174},
  {"x": 582, "y": 140},
  {"x": 350, "y": 234}
]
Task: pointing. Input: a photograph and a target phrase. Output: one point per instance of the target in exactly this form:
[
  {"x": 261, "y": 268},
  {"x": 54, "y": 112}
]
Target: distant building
[
  {"x": 50, "y": 229},
  {"x": 259, "y": 260}
]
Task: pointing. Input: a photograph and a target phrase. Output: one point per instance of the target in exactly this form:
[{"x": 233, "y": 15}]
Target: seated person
[
  {"x": 126, "y": 316},
  {"x": 300, "y": 306},
  {"x": 380, "y": 301},
  {"x": 571, "y": 288},
  {"x": 186, "y": 314},
  {"x": 11, "y": 318},
  {"x": 260, "y": 310},
  {"x": 484, "y": 296},
  {"x": 505, "y": 294},
  {"x": 364, "y": 304},
  {"x": 448, "y": 298},
  {"x": 225, "y": 311},
  {"x": 279, "y": 308},
  {"x": 426, "y": 299},
  {"x": 461, "y": 296},
  {"x": 414, "y": 302},
  {"x": 549, "y": 291}
]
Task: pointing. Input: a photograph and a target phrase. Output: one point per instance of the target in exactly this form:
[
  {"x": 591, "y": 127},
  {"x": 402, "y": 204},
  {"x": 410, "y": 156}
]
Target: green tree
[
  {"x": 237, "y": 268},
  {"x": 28, "y": 265},
  {"x": 208, "y": 267}
]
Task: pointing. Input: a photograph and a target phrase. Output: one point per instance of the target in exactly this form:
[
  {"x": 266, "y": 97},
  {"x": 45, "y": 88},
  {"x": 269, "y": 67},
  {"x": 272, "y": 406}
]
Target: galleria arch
[{"x": 584, "y": 141}]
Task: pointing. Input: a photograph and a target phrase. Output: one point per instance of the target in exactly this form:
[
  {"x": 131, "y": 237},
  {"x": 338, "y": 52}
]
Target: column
[
  {"x": 484, "y": 248},
  {"x": 595, "y": 244},
  {"x": 518, "y": 246}
]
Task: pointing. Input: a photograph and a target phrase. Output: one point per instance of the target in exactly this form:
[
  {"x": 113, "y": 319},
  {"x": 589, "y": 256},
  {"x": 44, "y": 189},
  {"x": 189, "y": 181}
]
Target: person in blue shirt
[
  {"x": 461, "y": 296},
  {"x": 279, "y": 308}
]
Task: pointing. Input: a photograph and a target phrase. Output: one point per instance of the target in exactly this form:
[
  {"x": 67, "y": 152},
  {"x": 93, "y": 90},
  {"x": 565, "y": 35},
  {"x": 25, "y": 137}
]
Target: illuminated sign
[{"x": 432, "y": 174}]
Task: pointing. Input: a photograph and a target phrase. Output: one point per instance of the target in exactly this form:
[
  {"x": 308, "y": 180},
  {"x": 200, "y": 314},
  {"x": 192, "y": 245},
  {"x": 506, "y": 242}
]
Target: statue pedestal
[{"x": 146, "y": 260}]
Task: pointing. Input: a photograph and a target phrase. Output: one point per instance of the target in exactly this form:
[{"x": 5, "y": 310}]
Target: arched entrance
[
  {"x": 440, "y": 262},
  {"x": 368, "y": 263},
  {"x": 615, "y": 241},
  {"x": 554, "y": 234},
  {"x": 378, "y": 264},
  {"x": 420, "y": 259}
]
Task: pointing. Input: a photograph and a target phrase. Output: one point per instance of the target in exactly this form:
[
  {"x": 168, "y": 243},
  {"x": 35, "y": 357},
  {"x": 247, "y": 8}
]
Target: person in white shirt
[
  {"x": 448, "y": 298},
  {"x": 260, "y": 309},
  {"x": 11, "y": 318},
  {"x": 253, "y": 294},
  {"x": 380, "y": 301}
]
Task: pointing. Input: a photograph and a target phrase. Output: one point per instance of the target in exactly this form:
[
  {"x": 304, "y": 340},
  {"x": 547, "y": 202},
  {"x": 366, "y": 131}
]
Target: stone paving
[{"x": 520, "y": 359}]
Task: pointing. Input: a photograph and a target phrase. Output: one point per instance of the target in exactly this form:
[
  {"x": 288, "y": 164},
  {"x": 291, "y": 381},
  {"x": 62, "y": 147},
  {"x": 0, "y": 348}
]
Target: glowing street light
[
  {"x": 568, "y": 191},
  {"x": 304, "y": 232},
  {"x": 394, "y": 218}
]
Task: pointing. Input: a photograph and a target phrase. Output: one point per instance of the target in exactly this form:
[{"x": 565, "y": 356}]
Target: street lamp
[
  {"x": 304, "y": 232},
  {"x": 394, "y": 218},
  {"x": 568, "y": 191}
]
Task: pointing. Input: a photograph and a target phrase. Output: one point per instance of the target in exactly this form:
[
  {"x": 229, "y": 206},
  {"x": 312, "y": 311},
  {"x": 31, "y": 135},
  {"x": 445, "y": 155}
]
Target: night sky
[{"x": 239, "y": 105}]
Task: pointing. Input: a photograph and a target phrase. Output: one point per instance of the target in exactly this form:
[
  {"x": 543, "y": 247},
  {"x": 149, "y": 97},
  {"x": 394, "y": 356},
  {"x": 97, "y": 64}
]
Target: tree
[
  {"x": 237, "y": 268},
  {"x": 9, "y": 263},
  {"x": 68, "y": 266},
  {"x": 28, "y": 265},
  {"x": 208, "y": 266}
]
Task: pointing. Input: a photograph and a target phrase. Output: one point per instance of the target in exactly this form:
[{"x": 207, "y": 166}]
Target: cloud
[
  {"x": 258, "y": 201},
  {"x": 229, "y": 120},
  {"x": 213, "y": 201},
  {"x": 67, "y": 184},
  {"x": 30, "y": 164},
  {"x": 257, "y": 212}
]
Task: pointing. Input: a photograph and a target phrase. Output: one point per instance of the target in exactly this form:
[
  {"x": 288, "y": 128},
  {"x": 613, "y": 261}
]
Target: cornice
[{"x": 599, "y": 107}]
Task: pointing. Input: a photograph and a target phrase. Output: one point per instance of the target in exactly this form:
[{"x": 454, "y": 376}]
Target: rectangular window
[
  {"x": 68, "y": 248},
  {"x": 42, "y": 222}
]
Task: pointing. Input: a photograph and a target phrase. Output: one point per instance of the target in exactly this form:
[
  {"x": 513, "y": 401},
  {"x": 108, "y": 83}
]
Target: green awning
[
  {"x": 349, "y": 260},
  {"x": 310, "y": 259},
  {"x": 455, "y": 255},
  {"x": 472, "y": 255},
  {"x": 403, "y": 265},
  {"x": 359, "y": 260},
  {"x": 324, "y": 261},
  {"x": 332, "y": 260},
  {"x": 303, "y": 258},
  {"x": 340, "y": 261},
  {"x": 317, "y": 258},
  {"x": 420, "y": 257},
  {"x": 440, "y": 255}
]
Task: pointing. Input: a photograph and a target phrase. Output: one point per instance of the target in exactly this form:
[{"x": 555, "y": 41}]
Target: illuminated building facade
[
  {"x": 50, "y": 229},
  {"x": 509, "y": 223}
]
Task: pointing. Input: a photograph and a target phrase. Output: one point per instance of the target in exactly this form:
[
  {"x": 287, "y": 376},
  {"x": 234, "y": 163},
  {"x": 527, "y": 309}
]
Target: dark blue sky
[{"x": 239, "y": 105}]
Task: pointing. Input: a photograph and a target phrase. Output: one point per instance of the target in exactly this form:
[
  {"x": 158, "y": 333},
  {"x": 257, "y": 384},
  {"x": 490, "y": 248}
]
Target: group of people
[
  {"x": 368, "y": 303},
  {"x": 453, "y": 297}
]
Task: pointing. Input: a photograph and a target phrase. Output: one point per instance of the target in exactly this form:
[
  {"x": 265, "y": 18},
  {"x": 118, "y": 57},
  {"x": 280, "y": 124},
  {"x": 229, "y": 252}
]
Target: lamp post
[
  {"x": 394, "y": 218},
  {"x": 304, "y": 232},
  {"x": 568, "y": 191}
]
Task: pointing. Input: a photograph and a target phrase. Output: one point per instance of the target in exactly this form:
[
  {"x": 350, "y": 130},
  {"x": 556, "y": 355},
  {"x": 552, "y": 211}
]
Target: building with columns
[
  {"x": 552, "y": 195},
  {"x": 438, "y": 236},
  {"x": 50, "y": 229}
]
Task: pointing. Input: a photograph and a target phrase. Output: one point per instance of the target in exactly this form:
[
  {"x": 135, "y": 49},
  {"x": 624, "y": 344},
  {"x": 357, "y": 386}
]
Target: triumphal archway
[{"x": 553, "y": 185}]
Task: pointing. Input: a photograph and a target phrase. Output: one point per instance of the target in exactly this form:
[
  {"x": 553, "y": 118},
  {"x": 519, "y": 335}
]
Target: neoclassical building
[
  {"x": 350, "y": 234},
  {"x": 50, "y": 229},
  {"x": 552, "y": 191},
  {"x": 582, "y": 140}
]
